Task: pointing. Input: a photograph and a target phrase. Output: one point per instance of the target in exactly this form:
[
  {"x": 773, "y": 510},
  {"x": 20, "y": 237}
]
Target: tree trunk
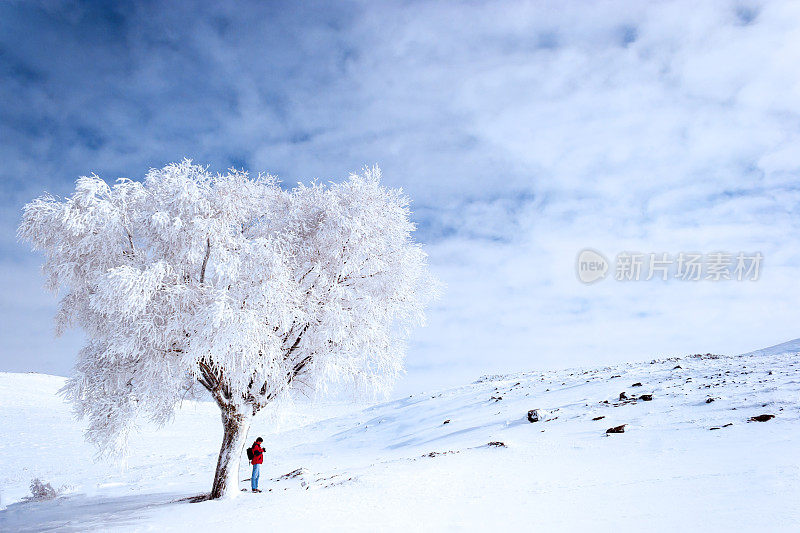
[{"x": 226, "y": 477}]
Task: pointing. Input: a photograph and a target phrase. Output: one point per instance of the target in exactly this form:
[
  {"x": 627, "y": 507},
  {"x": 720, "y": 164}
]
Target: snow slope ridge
[
  {"x": 788, "y": 347},
  {"x": 466, "y": 458}
]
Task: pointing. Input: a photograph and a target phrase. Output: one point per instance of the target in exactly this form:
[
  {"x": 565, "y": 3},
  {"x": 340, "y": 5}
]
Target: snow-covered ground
[{"x": 683, "y": 463}]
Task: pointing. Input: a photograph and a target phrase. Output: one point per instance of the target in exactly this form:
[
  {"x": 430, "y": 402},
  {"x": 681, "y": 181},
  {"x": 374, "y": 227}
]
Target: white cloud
[{"x": 524, "y": 132}]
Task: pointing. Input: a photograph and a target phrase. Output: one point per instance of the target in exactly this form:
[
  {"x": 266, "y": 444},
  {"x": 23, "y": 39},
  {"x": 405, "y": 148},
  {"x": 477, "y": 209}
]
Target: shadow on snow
[{"x": 80, "y": 512}]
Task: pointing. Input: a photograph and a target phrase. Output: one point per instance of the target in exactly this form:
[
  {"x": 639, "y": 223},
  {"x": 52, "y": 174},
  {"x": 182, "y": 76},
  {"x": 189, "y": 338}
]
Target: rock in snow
[{"x": 535, "y": 415}]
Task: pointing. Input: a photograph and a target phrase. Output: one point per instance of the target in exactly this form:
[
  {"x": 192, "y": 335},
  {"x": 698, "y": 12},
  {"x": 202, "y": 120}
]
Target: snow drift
[{"x": 689, "y": 456}]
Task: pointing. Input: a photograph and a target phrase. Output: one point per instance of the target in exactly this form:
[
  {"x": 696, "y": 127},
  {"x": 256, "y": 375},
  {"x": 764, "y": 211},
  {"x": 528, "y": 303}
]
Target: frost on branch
[
  {"x": 41, "y": 491},
  {"x": 229, "y": 282}
]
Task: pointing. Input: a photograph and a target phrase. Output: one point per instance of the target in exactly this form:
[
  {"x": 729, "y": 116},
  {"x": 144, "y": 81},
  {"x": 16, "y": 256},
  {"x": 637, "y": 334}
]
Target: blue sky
[{"x": 523, "y": 131}]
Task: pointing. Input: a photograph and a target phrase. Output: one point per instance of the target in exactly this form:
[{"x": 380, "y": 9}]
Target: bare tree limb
[
  {"x": 205, "y": 260},
  {"x": 214, "y": 382},
  {"x": 301, "y": 365},
  {"x": 130, "y": 241},
  {"x": 297, "y": 341}
]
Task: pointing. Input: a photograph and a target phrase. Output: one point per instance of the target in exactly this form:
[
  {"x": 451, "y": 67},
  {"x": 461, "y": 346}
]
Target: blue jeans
[{"x": 254, "y": 477}]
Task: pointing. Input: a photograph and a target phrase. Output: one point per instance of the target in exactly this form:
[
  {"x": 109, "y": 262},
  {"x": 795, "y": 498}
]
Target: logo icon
[{"x": 592, "y": 266}]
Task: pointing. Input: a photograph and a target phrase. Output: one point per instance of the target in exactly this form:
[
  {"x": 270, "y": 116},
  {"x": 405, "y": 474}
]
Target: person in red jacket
[{"x": 258, "y": 458}]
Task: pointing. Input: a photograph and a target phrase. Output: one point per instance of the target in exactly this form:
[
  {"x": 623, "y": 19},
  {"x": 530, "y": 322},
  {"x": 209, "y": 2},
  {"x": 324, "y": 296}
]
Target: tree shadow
[{"x": 80, "y": 512}]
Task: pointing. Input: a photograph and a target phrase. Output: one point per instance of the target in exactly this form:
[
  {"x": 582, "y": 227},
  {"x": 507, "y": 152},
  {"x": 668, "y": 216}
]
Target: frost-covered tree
[{"x": 230, "y": 282}]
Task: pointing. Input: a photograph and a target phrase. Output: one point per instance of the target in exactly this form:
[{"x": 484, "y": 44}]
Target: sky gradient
[{"x": 522, "y": 131}]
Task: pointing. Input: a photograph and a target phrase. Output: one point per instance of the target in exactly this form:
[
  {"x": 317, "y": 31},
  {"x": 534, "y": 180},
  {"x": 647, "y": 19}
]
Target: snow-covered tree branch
[{"x": 231, "y": 282}]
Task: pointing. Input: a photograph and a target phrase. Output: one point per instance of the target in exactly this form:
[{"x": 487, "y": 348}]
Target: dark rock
[
  {"x": 598, "y": 418},
  {"x": 709, "y": 400},
  {"x": 497, "y": 444},
  {"x": 646, "y": 397},
  {"x": 761, "y": 418},
  {"x": 676, "y": 367},
  {"x": 617, "y": 429},
  {"x": 436, "y": 454},
  {"x": 712, "y": 429},
  {"x": 534, "y": 415},
  {"x": 623, "y": 396},
  {"x": 729, "y": 424},
  {"x": 297, "y": 472},
  {"x": 637, "y": 384},
  {"x": 446, "y": 421},
  {"x": 496, "y": 398}
]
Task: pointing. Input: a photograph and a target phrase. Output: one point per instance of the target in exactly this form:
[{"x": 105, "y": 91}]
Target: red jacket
[{"x": 258, "y": 454}]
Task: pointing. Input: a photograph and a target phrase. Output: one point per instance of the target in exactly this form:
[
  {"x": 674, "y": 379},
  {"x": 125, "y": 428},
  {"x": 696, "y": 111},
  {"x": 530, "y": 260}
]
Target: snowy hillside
[
  {"x": 788, "y": 347},
  {"x": 689, "y": 458}
]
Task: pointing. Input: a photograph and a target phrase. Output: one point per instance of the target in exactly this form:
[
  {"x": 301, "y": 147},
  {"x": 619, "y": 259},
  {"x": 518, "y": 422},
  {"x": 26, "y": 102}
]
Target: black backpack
[{"x": 249, "y": 454}]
